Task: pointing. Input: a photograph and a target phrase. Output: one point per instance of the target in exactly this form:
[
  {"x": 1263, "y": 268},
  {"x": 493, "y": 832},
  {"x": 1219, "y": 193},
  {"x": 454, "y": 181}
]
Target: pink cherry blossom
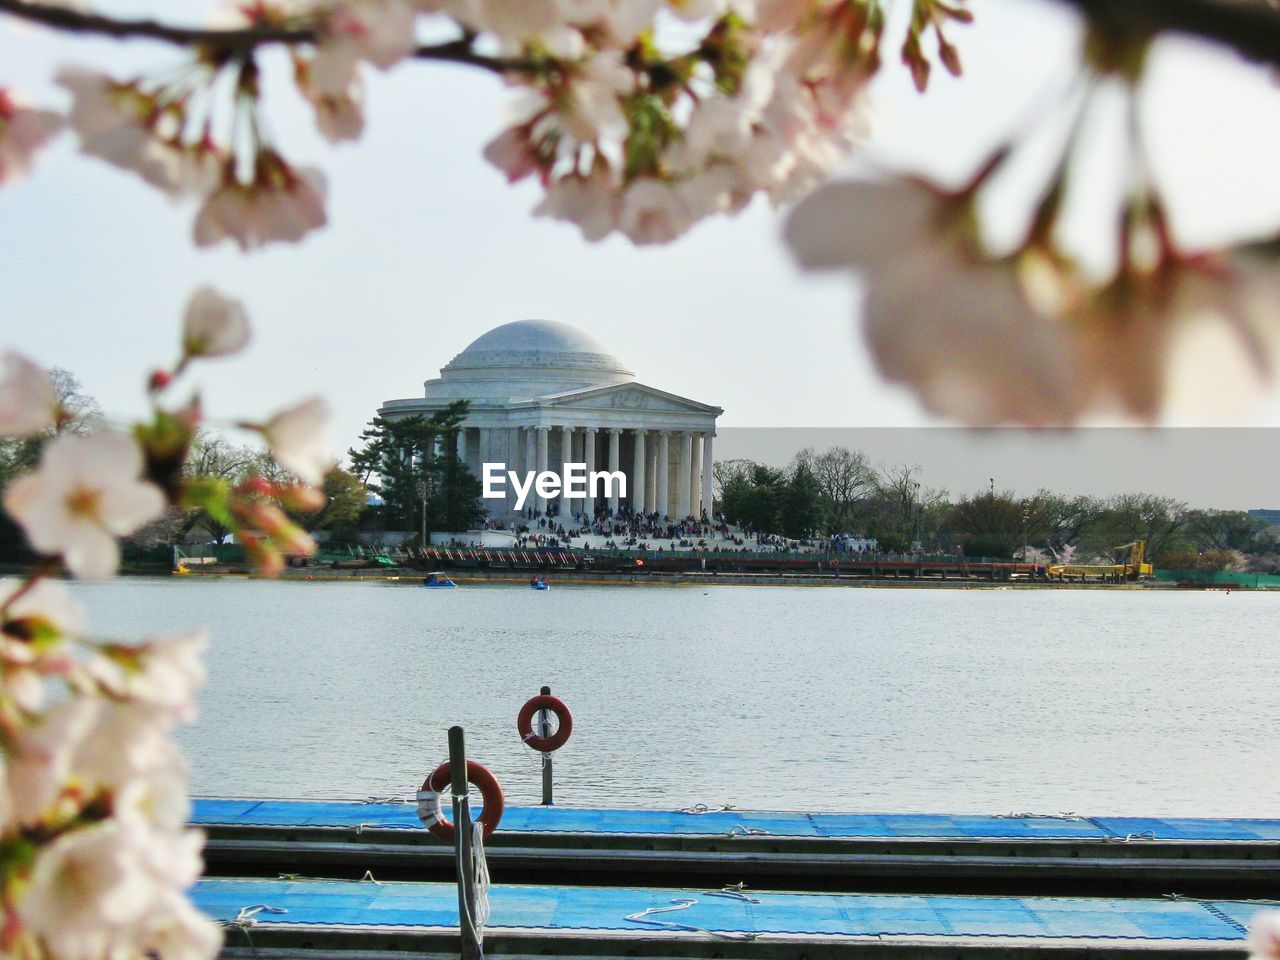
[
  {"x": 513, "y": 153},
  {"x": 23, "y": 132},
  {"x": 28, "y": 400},
  {"x": 963, "y": 331},
  {"x": 937, "y": 316},
  {"x": 1264, "y": 936},
  {"x": 654, "y": 212},
  {"x": 300, "y": 439},
  {"x": 86, "y": 492},
  {"x": 590, "y": 202},
  {"x": 283, "y": 203},
  {"x": 379, "y": 31},
  {"x": 214, "y": 325}
]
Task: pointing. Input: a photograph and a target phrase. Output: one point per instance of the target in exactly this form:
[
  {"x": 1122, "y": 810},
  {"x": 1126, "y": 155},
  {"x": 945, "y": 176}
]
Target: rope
[
  {"x": 480, "y": 876},
  {"x": 700, "y": 808},
  {"x": 244, "y": 919},
  {"x": 369, "y": 800},
  {"x": 1070, "y": 817},
  {"x": 738, "y": 830},
  {"x": 1130, "y": 837},
  {"x": 1179, "y": 898},
  {"x": 734, "y": 891},
  {"x": 684, "y": 904}
]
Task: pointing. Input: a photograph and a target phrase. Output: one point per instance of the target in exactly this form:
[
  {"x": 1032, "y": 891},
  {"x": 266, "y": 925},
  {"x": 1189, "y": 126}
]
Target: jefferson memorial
[{"x": 543, "y": 394}]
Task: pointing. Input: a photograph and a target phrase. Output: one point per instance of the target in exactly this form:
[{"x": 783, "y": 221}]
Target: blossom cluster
[
  {"x": 95, "y": 852},
  {"x": 1029, "y": 336},
  {"x": 636, "y": 116}
]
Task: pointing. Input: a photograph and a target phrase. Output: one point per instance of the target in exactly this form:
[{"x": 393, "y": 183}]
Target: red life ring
[
  {"x": 524, "y": 723},
  {"x": 429, "y": 807}
]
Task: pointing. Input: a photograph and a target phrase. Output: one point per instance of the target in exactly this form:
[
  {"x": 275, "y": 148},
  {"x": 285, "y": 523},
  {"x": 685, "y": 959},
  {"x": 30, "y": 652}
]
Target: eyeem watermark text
[{"x": 574, "y": 484}]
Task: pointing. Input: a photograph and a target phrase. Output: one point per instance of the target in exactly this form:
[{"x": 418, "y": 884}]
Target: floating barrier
[
  {"x": 889, "y": 852},
  {"x": 722, "y": 822},
  {"x": 545, "y": 919}
]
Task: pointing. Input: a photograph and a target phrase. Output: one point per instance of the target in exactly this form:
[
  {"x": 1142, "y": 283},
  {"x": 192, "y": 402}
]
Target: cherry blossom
[
  {"x": 654, "y": 212},
  {"x": 87, "y": 889},
  {"x": 378, "y": 31},
  {"x": 938, "y": 316},
  {"x": 23, "y": 132},
  {"x": 300, "y": 439},
  {"x": 165, "y": 672},
  {"x": 28, "y": 400},
  {"x": 85, "y": 493},
  {"x": 214, "y": 325},
  {"x": 283, "y": 203},
  {"x": 589, "y": 202},
  {"x": 1264, "y": 936}
]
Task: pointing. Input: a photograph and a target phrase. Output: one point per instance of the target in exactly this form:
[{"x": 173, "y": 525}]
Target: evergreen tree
[{"x": 419, "y": 475}]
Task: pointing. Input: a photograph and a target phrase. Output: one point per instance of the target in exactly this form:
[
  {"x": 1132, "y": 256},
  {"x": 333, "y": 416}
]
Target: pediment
[{"x": 627, "y": 396}]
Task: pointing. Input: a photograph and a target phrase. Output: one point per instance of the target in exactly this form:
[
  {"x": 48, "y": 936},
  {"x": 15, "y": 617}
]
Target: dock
[
  {"x": 321, "y": 918},
  {"x": 919, "y": 853}
]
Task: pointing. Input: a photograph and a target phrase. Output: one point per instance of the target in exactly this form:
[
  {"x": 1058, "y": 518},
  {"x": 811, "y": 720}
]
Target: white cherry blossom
[
  {"x": 28, "y": 399},
  {"x": 87, "y": 889},
  {"x": 165, "y": 672},
  {"x": 300, "y": 439},
  {"x": 23, "y": 132},
  {"x": 283, "y": 204},
  {"x": 41, "y": 756},
  {"x": 86, "y": 492},
  {"x": 214, "y": 325}
]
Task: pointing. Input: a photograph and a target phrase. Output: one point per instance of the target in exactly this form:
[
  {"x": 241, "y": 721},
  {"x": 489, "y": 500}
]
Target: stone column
[
  {"x": 515, "y": 454},
  {"x": 485, "y": 439},
  {"x": 615, "y": 437},
  {"x": 589, "y": 458},
  {"x": 695, "y": 476},
  {"x": 708, "y": 477},
  {"x": 462, "y": 445},
  {"x": 639, "y": 465},
  {"x": 651, "y": 478},
  {"x": 664, "y": 477},
  {"x": 530, "y": 461},
  {"x": 566, "y": 457},
  {"x": 682, "y": 474},
  {"x": 540, "y": 501}
]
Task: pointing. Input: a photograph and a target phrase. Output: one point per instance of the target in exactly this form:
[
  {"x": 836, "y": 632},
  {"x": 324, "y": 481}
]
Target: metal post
[
  {"x": 544, "y": 730},
  {"x": 462, "y": 847}
]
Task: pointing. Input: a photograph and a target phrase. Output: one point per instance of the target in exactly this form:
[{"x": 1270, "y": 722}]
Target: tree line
[
  {"x": 819, "y": 495},
  {"x": 404, "y": 475}
]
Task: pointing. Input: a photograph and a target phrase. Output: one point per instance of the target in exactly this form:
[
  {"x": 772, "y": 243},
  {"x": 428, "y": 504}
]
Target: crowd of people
[{"x": 653, "y": 532}]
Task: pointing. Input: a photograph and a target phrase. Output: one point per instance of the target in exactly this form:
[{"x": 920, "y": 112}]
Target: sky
[{"x": 428, "y": 247}]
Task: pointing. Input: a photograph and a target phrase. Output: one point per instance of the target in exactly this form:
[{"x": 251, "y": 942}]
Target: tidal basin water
[{"x": 983, "y": 701}]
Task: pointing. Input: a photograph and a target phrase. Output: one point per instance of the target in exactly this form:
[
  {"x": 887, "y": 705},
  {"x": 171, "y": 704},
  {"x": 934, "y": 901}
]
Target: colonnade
[{"x": 669, "y": 472}]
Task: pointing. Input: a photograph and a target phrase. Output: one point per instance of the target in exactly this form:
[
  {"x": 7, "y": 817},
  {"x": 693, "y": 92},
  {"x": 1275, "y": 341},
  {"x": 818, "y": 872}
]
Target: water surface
[{"x": 984, "y": 701}]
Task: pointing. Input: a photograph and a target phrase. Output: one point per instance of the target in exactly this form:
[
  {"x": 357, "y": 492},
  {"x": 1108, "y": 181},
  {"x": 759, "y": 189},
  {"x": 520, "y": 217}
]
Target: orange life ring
[
  {"x": 524, "y": 723},
  {"x": 429, "y": 807}
]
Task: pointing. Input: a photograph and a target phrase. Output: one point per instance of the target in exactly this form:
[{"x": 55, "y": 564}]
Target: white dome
[
  {"x": 528, "y": 358},
  {"x": 539, "y": 343}
]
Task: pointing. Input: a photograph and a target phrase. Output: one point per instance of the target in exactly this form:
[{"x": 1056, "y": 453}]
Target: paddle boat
[
  {"x": 539, "y": 583},
  {"x": 438, "y": 581}
]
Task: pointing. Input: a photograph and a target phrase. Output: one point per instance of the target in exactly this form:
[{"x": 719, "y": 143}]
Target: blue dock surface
[
  {"x": 585, "y": 820},
  {"x": 333, "y": 903}
]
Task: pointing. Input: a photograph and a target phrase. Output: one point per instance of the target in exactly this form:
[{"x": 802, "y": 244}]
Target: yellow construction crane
[{"x": 1134, "y": 568}]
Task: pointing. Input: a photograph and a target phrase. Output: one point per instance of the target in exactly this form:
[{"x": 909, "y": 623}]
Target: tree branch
[
  {"x": 228, "y": 42},
  {"x": 1250, "y": 27}
]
